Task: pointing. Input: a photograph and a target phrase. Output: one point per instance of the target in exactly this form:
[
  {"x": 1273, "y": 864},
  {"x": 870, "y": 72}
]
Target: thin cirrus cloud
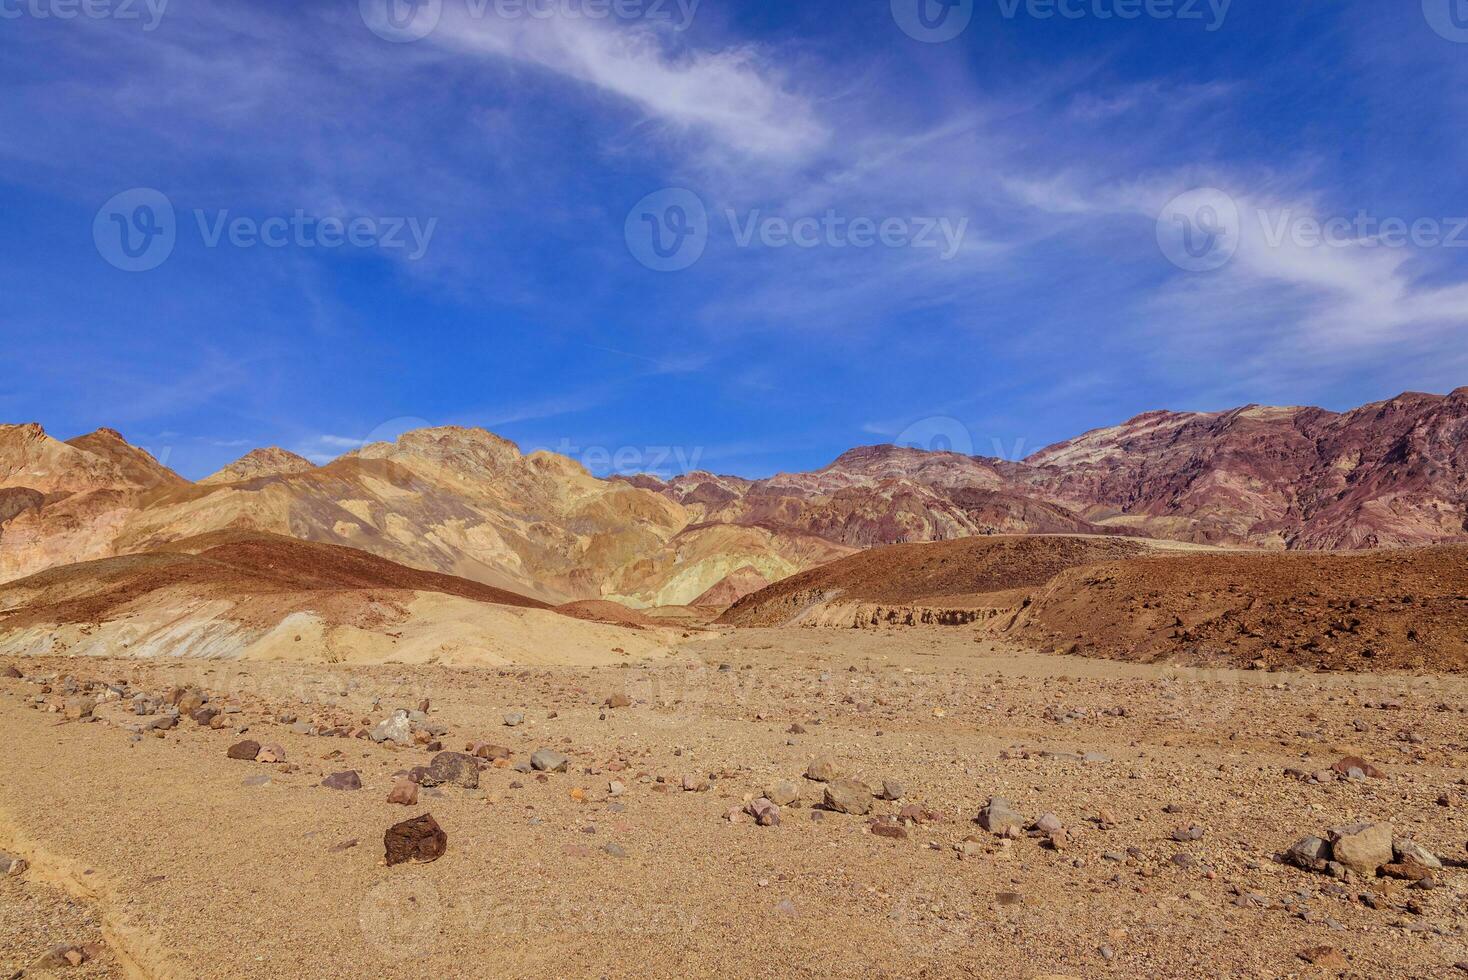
[{"x": 732, "y": 95}]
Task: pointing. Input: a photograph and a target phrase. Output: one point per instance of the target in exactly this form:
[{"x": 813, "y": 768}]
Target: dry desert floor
[{"x": 156, "y": 855}]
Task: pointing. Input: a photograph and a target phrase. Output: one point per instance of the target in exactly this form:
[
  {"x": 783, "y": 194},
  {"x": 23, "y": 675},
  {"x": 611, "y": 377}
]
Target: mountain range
[{"x": 469, "y": 503}]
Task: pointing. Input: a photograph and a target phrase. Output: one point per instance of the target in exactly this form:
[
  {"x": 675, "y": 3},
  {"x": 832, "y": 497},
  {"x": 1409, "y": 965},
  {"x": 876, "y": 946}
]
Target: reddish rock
[
  {"x": 419, "y": 841},
  {"x": 246, "y": 750},
  {"x": 343, "y": 780},
  {"x": 404, "y": 792}
]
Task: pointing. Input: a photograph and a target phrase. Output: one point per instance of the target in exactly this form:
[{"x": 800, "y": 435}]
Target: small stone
[
  {"x": 615, "y": 788},
  {"x": 783, "y": 793},
  {"x": 514, "y": 719},
  {"x": 343, "y": 780},
  {"x": 1406, "y": 850},
  {"x": 848, "y": 796},
  {"x": 452, "y": 769},
  {"x": 78, "y": 707},
  {"x": 618, "y": 701},
  {"x": 397, "y": 729},
  {"x": 822, "y": 770},
  {"x": 203, "y": 716},
  {"x": 999, "y": 817},
  {"x": 548, "y": 760},
  {"x": 1310, "y": 853},
  {"x": 1048, "y": 824},
  {"x": 1186, "y": 835},
  {"x": 420, "y": 841},
  {"x": 765, "y": 813},
  {"x": 1362, "y": 769},
  {"x": 487, "y": 750},
  {"x": 404, "y": 792},
  {"x": 892, "y": 790},
  {"x": 1362, "y": 847},
  {"x": 695, "y": 784},
  {"x": 11, "y": 672},
  {"x": 1326, "y": 956},
  {"x": 246, "y": 750},
  {"x": 888, "y": 827},
  {"x": 270, "y": 754}
]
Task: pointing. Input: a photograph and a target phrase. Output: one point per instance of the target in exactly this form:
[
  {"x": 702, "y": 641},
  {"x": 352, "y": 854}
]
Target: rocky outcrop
[{"x": 260, "y": 463}]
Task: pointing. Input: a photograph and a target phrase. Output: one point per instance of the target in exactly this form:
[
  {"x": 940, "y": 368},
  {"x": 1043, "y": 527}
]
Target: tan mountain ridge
[{"x": 468, "y": 503}]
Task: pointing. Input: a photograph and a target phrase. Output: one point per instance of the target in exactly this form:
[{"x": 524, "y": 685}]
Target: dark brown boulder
[
  {"x": 246, "y": 750},
  {"x": 418, "y": 841}
]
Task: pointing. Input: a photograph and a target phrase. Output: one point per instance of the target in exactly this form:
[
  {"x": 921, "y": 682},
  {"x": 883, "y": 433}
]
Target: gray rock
[
  {"x": 999, "y": 817},
  {"x": 398, "y": 729},
  {"x": 548, "y": 760},
  {"x": 1406, "y": 850},
  {"x": 893, "y": 790},
  {"x": 1311, "y": 853},
  {"x": 514, "y": 719}
]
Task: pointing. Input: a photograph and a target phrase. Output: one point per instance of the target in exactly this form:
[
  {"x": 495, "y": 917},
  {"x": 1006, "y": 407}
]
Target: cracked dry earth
[{"x": 185, "y": 863}]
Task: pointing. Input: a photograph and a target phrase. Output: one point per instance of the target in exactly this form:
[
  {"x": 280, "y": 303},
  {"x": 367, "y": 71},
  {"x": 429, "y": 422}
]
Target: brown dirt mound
[
  {"x": 605, "y": 611},
  {"x": 929, "y": 574},
  {"x": 1368, "y": 611},
  {"x": 227, "y": 565}
]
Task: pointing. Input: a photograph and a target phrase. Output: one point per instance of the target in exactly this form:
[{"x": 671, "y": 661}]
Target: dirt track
[{"x": 196, "y": 871}]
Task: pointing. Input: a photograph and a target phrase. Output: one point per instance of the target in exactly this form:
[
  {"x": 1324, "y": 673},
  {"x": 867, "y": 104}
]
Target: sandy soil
[{"x": 195, "y": 864}]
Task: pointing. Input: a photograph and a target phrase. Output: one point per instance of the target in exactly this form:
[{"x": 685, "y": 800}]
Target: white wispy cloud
[{"x": 734, "y": 94}]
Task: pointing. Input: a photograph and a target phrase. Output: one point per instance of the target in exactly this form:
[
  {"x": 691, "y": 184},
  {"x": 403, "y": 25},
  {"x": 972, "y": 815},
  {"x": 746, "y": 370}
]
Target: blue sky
[{"x": 1016, "y": 283}]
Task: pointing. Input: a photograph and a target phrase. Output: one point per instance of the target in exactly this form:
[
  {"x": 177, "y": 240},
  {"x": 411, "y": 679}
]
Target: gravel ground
[{"x": 204, "y": 865}]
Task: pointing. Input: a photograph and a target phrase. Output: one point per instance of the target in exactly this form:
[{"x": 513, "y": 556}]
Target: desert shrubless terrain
[{"x": 1183, "y": 697}]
